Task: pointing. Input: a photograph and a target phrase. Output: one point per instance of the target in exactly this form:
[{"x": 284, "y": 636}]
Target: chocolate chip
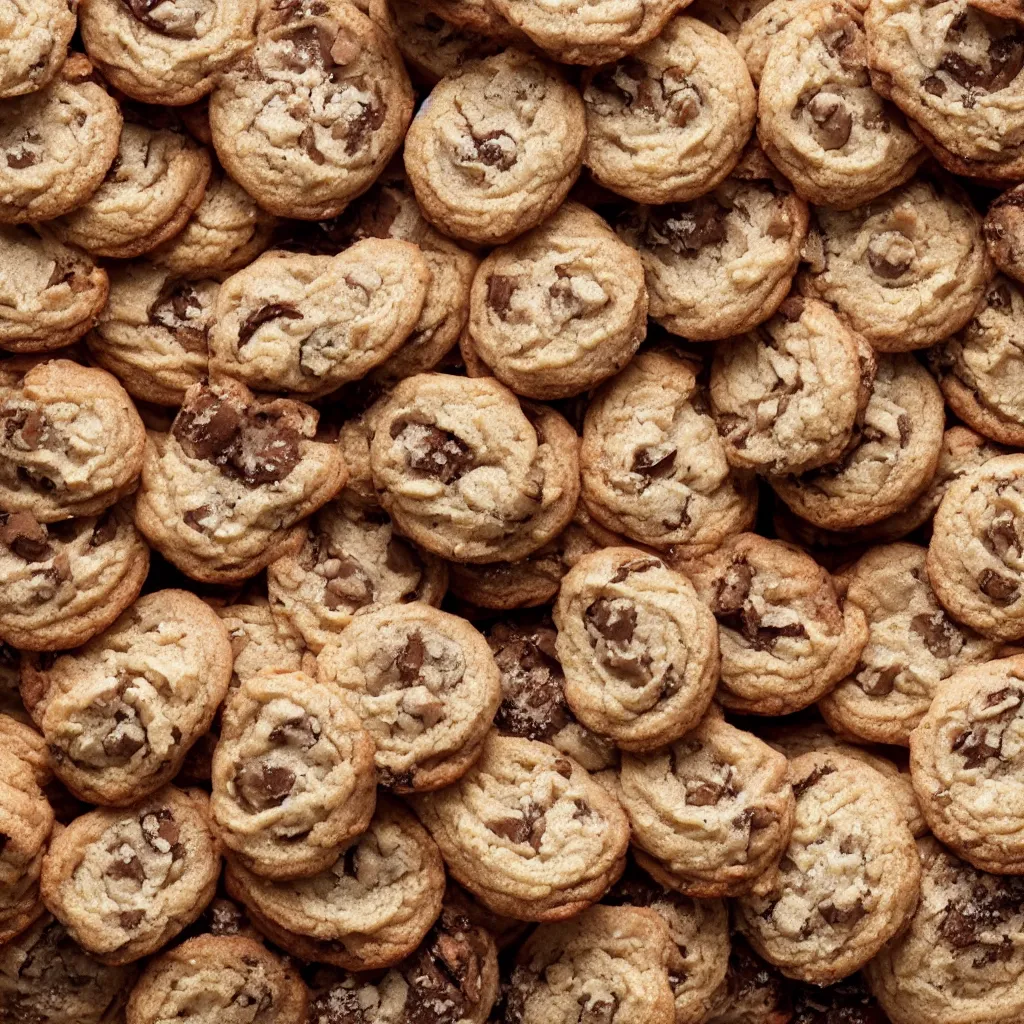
[
  {"x": 126, "y": 865},
  {"x": 998, "y": 588},
  {"x": 1002, "y": 534},
  {"x": 655, "y": 462},
  {"x": 500, "y": 288},
  {"x": 878, "y": 682},
  {"x": 533, "y": 704},
  {"x": 18, "y": 161},
  {"x": 300, "y": 732},
  {"x": 1002, "y": 696},
  {"x": 104, "y": 531},
  {"x": 496, "y": 149},
  {"x": 515, "y": 830},
  {"x": 704, "y": 794},
  {"x": 687, "y": 227},
  {"x": 975, "y": 747},
  {"x": 160, "y": 830},
  {"x": 26, "y": 538},
  {"x": 837, "y": 917},
  {"x": 130, "y": 919},
  {"x": 142, "y": 11},
  {"x": 264, "y": 315},
  {"x": 357, "y": 130},
  {"x": 262, "y": 786},
  {"x": 832, "y": 120},
  {"x": 409, "y": 662},
  {"x": 434, "y": 451},
  {"x": 635, "y": 565},
  {"x": 815, "y": 776},
  {"x": 933, "y": 85},
  {"x": 613, "y": 618},
  {"x": 942, "y": 638},
  {"x": 904, "y": 427},
  {"x": 733, "y": 589}
]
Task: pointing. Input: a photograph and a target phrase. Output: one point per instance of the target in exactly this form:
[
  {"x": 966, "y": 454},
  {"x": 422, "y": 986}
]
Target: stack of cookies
[{"x": 511, "y": 512}]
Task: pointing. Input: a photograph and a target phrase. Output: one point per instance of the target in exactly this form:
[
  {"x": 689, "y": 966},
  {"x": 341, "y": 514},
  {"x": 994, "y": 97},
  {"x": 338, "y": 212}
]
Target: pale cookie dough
[{"x": 261, "y": 641}]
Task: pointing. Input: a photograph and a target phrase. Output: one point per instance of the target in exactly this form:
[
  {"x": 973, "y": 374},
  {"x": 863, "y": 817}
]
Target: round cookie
[
  {"x": 1004, "y": 232},
  {"x": 36, "y": 34},
  {"x": 966, "y": 761},
  {"x": 820, "y": 121},
  {"x": 310, "y": 118},
  {"x": 785, "y": 637},
  {"x": 892, "y": 461},
  {"x": 468, "y": 473},
  {"x": 120, "y": 713},
  {"x": 723, "y": 263},
  {"x": 424, "y": 684},
  {"x": 976, "y": 555},
  {"x": 905, "y": 270},
  {"x": 218, "y": 980},
  {"x": 368, "y": 911},
  {"x": 57, "y": 145},
  {"x": 153, "y": 332},
  {"x": 49, "y": 292},
  {"x": 292, "y": 776},
  {"x": 981, "y": 369},
  {"x": 958, "y": 960},
  {"x": 848, "y": 881},
  {"x": 528, "y": 831},
  {"x": 166, "y": 52},
  {"x": 913, "y": 645},
  {"x": 496, "y": 148},
  {"x": 789, "y": 395},
  {"x": 561, "y": 309},
  {"x": 124, "y": 882},
  {"x": 712, "y": 813},
  {"x": 352, "y": 558},
  {"x": 71, "y": 442},
  {"x": 638, "y": 647},
  {"x": 653, "y": 466},
  {"x": 224, "y": 492},
  {"x": 668, "y": 122},
  {"x": 61, "y": 585}
]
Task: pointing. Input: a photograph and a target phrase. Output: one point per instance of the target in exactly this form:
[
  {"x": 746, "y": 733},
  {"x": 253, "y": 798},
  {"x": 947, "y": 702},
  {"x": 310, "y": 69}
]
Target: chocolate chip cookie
[
  {"x": 1004, "y": 232},
  {"x": 424, "y": 684},
  {"x": 528, "y": 831},
  {"x": 496, "y": 147},
  {"x": 561, "y": 309},
  {"x": 35, "y": 44},
  {"x": 711, "y": 813},
  {"x": 71, "y": 442},
  {"x": 653, "y": 466},
  {"x": 638, "y": 647},
  {"x": 121, "y": 713},
  {"x": 314, "y": 112},
  {"x": 468, "y": 473},
  {"x": 848, "y": 881},
  {"x": 49, "y": 292},
  {"x": 224, "y": 492},
  {"x": 669, "y": 121},
  {"x": 913, "y": 645},
  {"x": 367, "y": 911},
  {"x": 905, "y": 270},
  {"x": 62, "y": 584},
  {"x": 892, "y": 462}
]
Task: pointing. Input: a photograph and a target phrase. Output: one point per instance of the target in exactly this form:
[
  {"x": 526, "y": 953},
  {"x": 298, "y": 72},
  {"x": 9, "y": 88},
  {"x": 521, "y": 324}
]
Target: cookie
[
  {"x": 669, "y": 121},
  {"x": 819, "y": 120},
  {"x": 978, "y": 369},
  {"x": 974, "y": 558},
  {"x": 260, "y": 641},
  {"x": 913, "y": 645},
  {"x": 72, "y": 443},
  {"x": 786, "y": 639},
  {"x": 711, "y": 813},
  {"x": 167, "y": 54},
  {"x": 964, "y": 758},
  {"x": 958, "y": 960},
  {"x": 561, "y": 309},
  {"x": 126, "y": 881},
  {"x": 153, "y": 332},
  {"x": 533, "y": 704},
  {"x": 351, "y": 559},
  {"x": 49, "y": 292},
  {"x": 591, "y": 31},
  {"x": 1004, "y": 232},
  {"x": 424, "y": 684},
  {"x": 905, "y": 270},
  {"x": 936, "y": 63},
  {"x": 57, "y": 143},
  {"x": 789, "y": 395},
  {"x": 528, "y": 831},
  {"x": 723, "y": 263},
  {"x": 35, "y": 44},
  {"x": 121, "y": 713},
  {"x": 611, "y": 963},
  {"x": 452, "y": 976},
  {"x": 226, "y": 232},
  {"x": 368, "y": 911},
  {"x": 218, "y": 979},
  {"x": 653, "y": 466},
  {"x": 891, "y": 463},
  {"x": 848, "y": 881},
  {"x": 46, "y": 976},
  {"x": 466, "y": 472},
  {"x": 638, "y": 647},
  {"x": 156, "y": 181},
  {"x": 224, "y": 492},
  {"x": 62, "y": 584},
  {"x": 753, "y": 992},
  {"x": 19, "y": 738},
  {"x": 496, "y": 148},
  {"x": 761, "y": 22},
  {"x": 312, "y": 115},
  {"x": 293, "y": 777}
]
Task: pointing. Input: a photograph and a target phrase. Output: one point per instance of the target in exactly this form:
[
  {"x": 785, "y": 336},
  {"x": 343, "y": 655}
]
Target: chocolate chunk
[
  {"x": 933, "y": 85},
  {"x": 515, "y": 830},
  {"x": 208, "y": 428},
  {"x": 268, "y": 450},
  {"x": 130, "y": 919},
  {"x": 903, "y": 425},
  {"x": 300, "y": 732},
  {"x": 687, "y": 227},
  {"x": 801, "y": 787},
  {"x": 348, "y": 584},
  {"x": 434, "y": 451},
  {"x": 878, "y": 682},
  {"x": 496, "y": 149},
  {"x": 613, "y": 618},
  {"x": 160, "y": 830},
  {"x": 1002, "y": 696},
  {"x": 142, "y": 11},
  {"x": 793, "y": 308},
  {"x": 1002, "y": 534},
  {"x": 358, "y": 130},
  {"x": 1000, "y": 589},
  {"x": 500, "y": 288},
  {"x": 20, "y": 160},
  {"x": 655, "y": 462},
  {"x": 26, "y": 538},
  {"x": 126, "y": 865},
  {"x": 963, "y": 71},
  {"x": 840, "y": 918},
  {"x": 636, "y": 565},
  {"x": 733, "y": 589},
  {"x": 533, "y": 704},
  {"x": 598, "y": 1009},
  {"x": 126, "y": 737},
  {"x": 264, "y": 315},
  {"x": 261, "y": 785},
  {"x": 974, "y": 746},
  {"x": 104, "y": 531},
  {"x": 832, "y": 120},
  {"x": 938, "y": 633},
  {"x": 409, "y": 662},
  {"x": 704, "y": 794}
]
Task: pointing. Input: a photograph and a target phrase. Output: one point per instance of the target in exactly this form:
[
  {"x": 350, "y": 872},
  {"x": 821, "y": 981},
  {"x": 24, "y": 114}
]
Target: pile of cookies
[{"x": 511, "y": 512}]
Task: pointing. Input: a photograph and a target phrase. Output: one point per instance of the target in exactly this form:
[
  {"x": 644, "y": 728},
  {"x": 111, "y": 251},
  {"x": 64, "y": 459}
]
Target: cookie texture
[{"x": 35, "y": 44}]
